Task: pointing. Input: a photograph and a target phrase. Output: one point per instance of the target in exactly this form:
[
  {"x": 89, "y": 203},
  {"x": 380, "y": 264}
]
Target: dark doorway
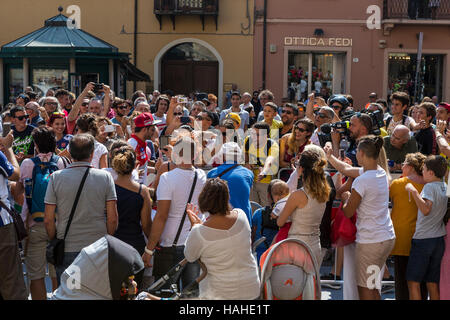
[{"x": 189, "y": 67}]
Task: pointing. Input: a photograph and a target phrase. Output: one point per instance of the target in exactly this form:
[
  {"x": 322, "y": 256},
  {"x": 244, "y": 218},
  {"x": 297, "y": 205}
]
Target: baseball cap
[
  {"x": 235, "y": 117},
  {"x": 444, "y": 105},
  {"x": 145, "y": 120},
  {"x": 231, "y": 151}
]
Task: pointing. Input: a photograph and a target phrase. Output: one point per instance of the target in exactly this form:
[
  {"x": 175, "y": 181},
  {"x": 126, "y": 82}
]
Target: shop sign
[{"x": 318, "y": 42}]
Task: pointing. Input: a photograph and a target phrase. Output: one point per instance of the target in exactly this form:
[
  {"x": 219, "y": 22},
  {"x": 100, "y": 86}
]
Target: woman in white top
[
  {"x": 375, "y": 237},
  {"x": 307, "y": 205},
  {"x": 87, "y": 123},
  {"x": 223, "y": 244}
]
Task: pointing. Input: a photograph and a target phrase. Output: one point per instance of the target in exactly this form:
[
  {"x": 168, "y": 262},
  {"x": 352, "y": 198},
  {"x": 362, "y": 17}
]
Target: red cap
[{"x": 145, "y": 120}]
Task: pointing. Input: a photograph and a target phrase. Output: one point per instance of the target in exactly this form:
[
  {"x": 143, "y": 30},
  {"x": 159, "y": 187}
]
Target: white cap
[{"x": 232, "y": 152}]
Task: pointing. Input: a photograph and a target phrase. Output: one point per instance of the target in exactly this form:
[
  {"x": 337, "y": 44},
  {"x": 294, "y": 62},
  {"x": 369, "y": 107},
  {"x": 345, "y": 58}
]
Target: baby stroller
[
  {"x": 101, "y": 271},
  {"x": 173, "y": 293},
  {"x": 289, "y": 271}
]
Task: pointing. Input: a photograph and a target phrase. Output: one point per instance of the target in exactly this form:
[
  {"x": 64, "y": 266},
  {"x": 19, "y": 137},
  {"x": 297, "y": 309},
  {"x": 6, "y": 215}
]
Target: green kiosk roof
[{"x": 57, "y": 40}]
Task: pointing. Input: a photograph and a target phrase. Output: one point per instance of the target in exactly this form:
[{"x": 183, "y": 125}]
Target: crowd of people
[{"x": 175, "y": 177}]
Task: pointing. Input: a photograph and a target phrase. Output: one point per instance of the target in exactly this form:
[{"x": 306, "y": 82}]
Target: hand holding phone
[{"x": 182, "y": 100}]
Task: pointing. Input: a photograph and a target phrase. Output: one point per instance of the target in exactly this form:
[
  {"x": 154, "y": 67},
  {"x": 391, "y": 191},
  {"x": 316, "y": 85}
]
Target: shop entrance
[
  {"x": 189, "y": 67},
  {"x": 402, "y": 75},
  {"x": 323, "y": 72}
]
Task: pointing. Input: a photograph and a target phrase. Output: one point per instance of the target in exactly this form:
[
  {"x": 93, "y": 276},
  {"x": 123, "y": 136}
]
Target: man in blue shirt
[{"x": 239, "y": 179}]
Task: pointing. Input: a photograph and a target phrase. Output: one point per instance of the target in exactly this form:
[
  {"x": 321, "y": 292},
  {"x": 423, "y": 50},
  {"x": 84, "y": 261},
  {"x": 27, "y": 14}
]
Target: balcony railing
[
  {"x": 174, "y": 8},
  {"x": 417, "y": 9},
  {"x": 186, "y": 7}
]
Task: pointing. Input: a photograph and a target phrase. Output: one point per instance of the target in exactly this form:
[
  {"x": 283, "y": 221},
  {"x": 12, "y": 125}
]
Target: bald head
[
  {"x": 399, "y": 136},
  {"x": 401, "y": 131}
]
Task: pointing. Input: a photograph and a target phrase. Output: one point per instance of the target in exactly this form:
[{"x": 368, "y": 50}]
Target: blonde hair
[
  {"x": 313, "y": 161},
  {"x": 124, "y": 160},
  {"x": 416, "y": 161},
  {"x": 279, "y": 188}
]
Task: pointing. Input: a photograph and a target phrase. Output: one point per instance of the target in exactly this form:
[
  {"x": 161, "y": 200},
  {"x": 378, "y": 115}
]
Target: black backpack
[
  {"x": 389, "y": 119},
  {"x": 266, "y": 149}
]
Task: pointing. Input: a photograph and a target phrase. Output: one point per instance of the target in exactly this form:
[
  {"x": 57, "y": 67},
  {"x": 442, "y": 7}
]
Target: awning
[{"x": 133, "y": 73}]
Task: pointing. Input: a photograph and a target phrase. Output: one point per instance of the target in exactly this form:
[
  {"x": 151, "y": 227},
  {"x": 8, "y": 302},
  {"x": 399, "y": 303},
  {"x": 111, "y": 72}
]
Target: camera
[
  {"x": 185, "y": 120},
  {"x": 98, "y": 87}
]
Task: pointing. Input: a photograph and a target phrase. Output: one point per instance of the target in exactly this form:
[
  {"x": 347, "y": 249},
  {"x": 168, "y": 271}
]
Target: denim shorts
[{"x": 425, "y": 258}]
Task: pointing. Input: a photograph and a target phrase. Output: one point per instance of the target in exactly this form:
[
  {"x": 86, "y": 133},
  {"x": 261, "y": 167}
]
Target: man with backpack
[
  {"x": 400, "y": 103},
  {"x": 262, "y": 157},
  {"x": 239, "y": 178},
  {"x": 34, "y": 177}
]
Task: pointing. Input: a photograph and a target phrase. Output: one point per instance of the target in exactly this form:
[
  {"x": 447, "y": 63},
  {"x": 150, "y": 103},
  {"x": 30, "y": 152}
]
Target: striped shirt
[{"x": 6, "y": 170}]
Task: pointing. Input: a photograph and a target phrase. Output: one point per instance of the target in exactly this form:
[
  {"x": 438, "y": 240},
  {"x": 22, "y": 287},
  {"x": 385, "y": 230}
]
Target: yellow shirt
[
  {"x": 255, "y": 154},
  {"x": 275, "y": 129},
  {"x": 403, "y": 215}
]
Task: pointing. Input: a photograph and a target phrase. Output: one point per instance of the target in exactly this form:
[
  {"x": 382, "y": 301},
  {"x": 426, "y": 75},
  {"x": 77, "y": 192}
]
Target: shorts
[
  {"x": 35, "y": 259},
  {"x": 370, "y": 259},
  {"x": 425, "y": 258}
]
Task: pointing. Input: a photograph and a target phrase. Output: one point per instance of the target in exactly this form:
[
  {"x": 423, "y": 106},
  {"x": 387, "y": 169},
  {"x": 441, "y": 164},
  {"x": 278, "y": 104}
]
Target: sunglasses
[
  {"x": 301, "y": 129},
  {"x": 51, "y": 103},
  {"x": 122, "y": 107},
  {"x": 178, "y": 113},
  {"x": 202, "y": 118},
  {"x": 165, "y": 149},
  {"x": 335, "y": 106},
  {"x": 22, "y": 117},
  {"x": 321, "y": 115},
  {"x": 85, "y": 104},
  {"x": 286, "y": 111}
]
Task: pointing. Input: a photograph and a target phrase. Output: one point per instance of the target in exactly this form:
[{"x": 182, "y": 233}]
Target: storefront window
[
  {"x": 44, "y": 79},
  {"x": 402, "y": 75},
  {"x": 15, "y": 83},
  {"x": 298, "y": 76},
  {"x": 327, "y": 74}
]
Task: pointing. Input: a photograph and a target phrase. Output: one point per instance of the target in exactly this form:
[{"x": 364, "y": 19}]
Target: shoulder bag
[
  {"x": 21, "y": 230},
  {"x": 185, "y": 212},
  {"x": 55, "y": 248}
]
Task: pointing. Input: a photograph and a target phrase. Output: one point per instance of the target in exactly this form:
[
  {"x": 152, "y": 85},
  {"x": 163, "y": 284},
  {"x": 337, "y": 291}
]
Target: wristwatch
[{"x": 148, "y": 251}]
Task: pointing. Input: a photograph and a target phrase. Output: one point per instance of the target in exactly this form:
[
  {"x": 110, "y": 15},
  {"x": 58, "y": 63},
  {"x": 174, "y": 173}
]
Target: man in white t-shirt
[
  {"x": 145, "y": 127},
  {"x": 173, "y": 193}
]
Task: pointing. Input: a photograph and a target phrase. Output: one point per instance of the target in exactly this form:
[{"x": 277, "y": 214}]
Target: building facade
[
  {"x": 183, "y": 45},
  {"x": 355, "y": 47}
]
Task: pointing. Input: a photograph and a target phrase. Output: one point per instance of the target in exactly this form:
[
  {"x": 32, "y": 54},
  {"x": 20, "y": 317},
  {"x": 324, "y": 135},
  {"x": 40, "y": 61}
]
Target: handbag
[
  {"x": 55, "y": 248},
  {"x": 343, "y": 229},
  {"x": 21, "y": 231}
]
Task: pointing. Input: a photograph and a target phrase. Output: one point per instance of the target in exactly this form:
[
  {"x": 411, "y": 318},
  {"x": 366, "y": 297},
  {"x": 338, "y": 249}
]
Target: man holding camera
[
  {"x": 321, "y": 116},
  {"x": 360, "y": 125}
]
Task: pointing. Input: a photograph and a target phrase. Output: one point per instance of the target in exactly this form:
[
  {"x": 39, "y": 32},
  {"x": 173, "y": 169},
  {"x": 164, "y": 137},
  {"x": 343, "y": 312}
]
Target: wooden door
[{"x": 185, "y": 76}]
